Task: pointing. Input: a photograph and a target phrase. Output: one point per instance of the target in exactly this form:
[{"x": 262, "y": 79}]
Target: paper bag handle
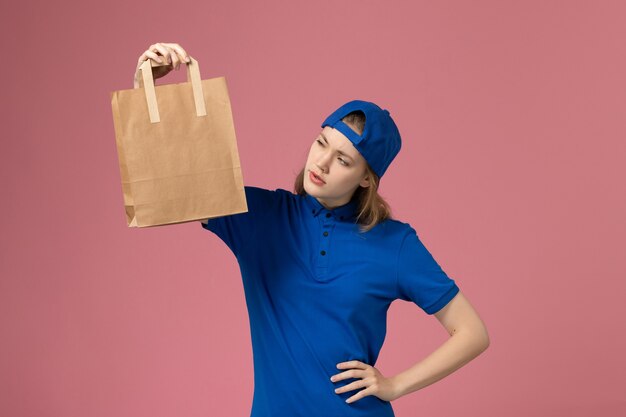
[{"x": 193, "y": 76}]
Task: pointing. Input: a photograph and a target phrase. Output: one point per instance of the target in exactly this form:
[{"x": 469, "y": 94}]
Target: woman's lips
[{"x": 315, "y": 179}]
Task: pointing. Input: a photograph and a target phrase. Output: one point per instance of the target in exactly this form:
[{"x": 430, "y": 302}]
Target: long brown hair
[{"x": 372, "y": 208}]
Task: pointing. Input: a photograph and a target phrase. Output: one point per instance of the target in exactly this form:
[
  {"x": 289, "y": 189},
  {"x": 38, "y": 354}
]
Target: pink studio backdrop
[{"x": 512, "y": 172}]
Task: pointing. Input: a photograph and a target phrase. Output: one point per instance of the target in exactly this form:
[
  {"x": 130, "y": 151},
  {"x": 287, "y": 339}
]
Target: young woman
[{"x": 320, "y": 268}]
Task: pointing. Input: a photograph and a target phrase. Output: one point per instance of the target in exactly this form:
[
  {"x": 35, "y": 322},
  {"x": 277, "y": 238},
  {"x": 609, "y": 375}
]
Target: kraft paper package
[{"x": 177, "y": 149}]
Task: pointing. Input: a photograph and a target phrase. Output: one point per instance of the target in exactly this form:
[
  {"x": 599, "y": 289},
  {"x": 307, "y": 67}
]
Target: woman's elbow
[
  {"x": 485, "y": 341},
  {"x": 479, "y": 336}
]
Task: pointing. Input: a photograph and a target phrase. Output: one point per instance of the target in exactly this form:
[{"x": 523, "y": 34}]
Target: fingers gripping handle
[{"x": 193, "y": 76}]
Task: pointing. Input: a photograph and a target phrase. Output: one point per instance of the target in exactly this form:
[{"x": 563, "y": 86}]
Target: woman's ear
[{"x": 365, "y": 182}]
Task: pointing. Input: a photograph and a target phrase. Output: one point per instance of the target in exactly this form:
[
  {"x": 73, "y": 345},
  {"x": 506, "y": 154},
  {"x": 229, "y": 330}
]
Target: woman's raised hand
[{"x": 171, "y": 54}]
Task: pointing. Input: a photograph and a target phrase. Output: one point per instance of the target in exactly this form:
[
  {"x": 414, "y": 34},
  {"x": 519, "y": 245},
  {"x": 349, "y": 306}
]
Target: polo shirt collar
[{"x": 346, "y": 212}]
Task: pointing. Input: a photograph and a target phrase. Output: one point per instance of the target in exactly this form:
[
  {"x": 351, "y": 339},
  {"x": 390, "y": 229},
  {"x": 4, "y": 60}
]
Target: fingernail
[{"x": 187, "y": 59}]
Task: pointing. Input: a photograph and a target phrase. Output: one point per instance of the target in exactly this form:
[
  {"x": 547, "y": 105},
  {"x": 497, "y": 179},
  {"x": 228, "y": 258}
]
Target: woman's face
[{"x": 339, "y": 164}]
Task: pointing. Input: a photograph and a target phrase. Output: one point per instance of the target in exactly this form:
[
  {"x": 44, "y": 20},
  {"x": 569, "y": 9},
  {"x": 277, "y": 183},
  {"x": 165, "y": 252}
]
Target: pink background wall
[{"x": 512, "y": 172}]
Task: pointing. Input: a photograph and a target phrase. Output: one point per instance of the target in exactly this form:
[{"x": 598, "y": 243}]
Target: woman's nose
[
  {"x": 323, "y": 161},
  {"x": 322, "y": 165}
]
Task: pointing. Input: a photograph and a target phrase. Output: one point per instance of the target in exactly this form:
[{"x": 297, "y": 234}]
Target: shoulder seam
[{"x": 398, "y": 264}]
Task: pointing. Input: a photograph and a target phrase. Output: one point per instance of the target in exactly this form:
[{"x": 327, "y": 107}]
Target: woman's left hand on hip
[{"x": 373, "y": 382}]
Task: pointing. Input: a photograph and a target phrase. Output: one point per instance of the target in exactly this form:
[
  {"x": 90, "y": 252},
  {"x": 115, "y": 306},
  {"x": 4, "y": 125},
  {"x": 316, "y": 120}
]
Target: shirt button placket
[{"x": 322, "y": 257}]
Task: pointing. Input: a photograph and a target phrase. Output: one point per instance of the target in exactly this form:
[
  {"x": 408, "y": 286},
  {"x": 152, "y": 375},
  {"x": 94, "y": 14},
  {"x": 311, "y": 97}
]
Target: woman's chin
[{"x": 310, "y": 188}]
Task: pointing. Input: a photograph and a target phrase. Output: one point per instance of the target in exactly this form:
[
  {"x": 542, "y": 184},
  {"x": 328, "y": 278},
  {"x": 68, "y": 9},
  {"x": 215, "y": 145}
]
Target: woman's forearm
[{"x": 455, "y": 352}]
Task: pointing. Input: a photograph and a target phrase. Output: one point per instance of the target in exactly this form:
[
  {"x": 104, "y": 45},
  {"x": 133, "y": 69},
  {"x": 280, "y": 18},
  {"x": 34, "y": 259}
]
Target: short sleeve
[
  {"x": 236, "y": 230},
  {"x": 420, "y": 278}
]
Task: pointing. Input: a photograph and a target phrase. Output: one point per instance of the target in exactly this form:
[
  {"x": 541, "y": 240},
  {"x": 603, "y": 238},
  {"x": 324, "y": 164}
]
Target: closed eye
[{"x": 343, "y": 162}]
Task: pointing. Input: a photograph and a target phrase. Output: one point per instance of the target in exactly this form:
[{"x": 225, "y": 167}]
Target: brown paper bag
[{"x": 177, "y": 150}]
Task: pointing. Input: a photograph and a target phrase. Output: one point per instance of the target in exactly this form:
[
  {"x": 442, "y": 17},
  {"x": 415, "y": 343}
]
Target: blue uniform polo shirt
[{"x": 317, "y": 293}]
